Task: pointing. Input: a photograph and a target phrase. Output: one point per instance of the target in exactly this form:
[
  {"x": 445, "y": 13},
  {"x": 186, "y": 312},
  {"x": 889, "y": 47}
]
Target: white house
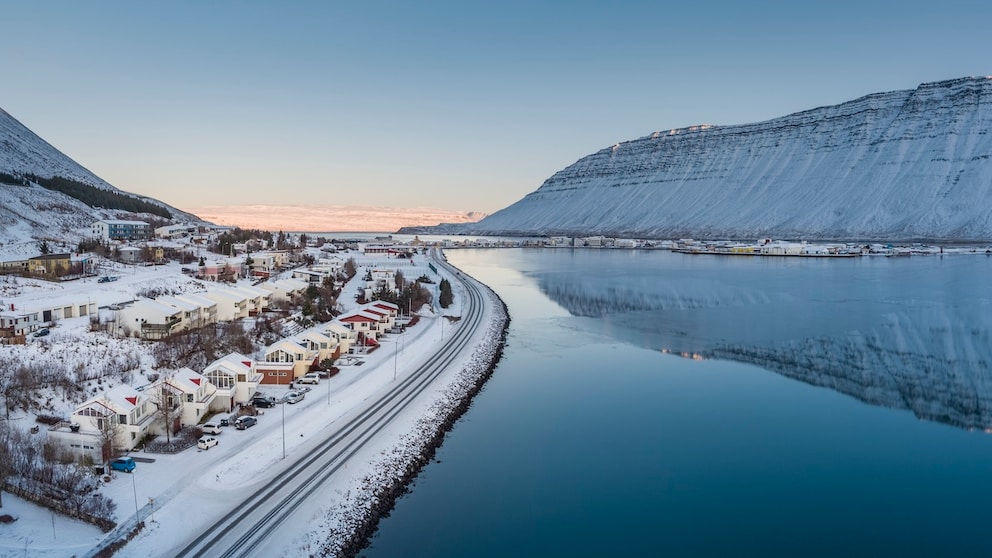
[
  {"x": 18, "y": 323},
  {"x": 258, "y": 299},
  {"x": 175, "y": 231},
  {"x": 107, "y": 424},
  {"x": 196, "y": 393},
  {"x": 192, "y": 314},
  {"x": 231, "y": 305},
  {"x": 284, "y": 289},
  {"x": 149, "y": 319},
  {"x": 236, "y": 379},
  {"x": 208, "y": 308}
]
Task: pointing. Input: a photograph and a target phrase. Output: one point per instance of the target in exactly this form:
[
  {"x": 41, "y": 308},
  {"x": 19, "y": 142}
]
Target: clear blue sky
[{"x": 455, "y": 105}]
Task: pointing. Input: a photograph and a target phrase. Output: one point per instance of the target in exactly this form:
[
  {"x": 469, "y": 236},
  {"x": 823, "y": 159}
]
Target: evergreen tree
[{"x": 445, "y": 298}]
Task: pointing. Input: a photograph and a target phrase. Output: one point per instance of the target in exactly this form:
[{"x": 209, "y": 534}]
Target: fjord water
[{"x": 651, "y": 403}]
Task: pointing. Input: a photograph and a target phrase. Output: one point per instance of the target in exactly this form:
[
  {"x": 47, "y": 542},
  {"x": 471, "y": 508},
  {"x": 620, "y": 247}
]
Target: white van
[{"x": 311, "y": 378}]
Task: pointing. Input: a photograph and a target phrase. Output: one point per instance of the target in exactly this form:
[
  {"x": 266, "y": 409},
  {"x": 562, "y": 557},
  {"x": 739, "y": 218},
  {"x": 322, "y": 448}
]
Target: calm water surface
[{"x": 654, "y": 404}]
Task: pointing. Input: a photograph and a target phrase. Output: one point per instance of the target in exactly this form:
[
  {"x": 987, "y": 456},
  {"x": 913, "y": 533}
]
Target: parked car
[
  {"x": 265, "y": 402},
  {"x": 244, "y": 423},
  {"x": 116, "y": 306},
  {"x": 211, "y": 428},
  {"x": 42, "y": 332},
  {"x": 294, "y": 397},
  {"x": 311, "y": 378},
  {"x": 206, "y": 443},
  {"x": 125, "y": 464}
]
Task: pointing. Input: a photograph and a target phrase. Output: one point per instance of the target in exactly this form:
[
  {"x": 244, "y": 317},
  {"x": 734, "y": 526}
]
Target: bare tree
[
  {"x": 109, "y": 431},
  {"x": 6, "y": 465},
  {"x": 168, "y": 400}
]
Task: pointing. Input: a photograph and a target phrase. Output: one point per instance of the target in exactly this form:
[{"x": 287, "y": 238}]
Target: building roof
[
  {"x": 184, "y": 305},
  {"x": 233, "y": 363},
  {"x": 358, "y": 316},
  {"x": 149, "y": 305},
  {"x": 203, "y": 301},
  {"x": 187, "y": 380},
  {"x": 287, "y": 346},
  {"x": 118, "y": 222}
]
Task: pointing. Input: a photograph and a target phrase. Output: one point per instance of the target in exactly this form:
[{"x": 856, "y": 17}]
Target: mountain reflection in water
[{"x": 902, "y": 333}]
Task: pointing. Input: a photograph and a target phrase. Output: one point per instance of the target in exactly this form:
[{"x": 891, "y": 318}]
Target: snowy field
[{"x": 177, "y": 495}]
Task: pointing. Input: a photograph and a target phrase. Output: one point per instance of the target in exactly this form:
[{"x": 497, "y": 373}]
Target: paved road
[{"x": 242, "y": 530}]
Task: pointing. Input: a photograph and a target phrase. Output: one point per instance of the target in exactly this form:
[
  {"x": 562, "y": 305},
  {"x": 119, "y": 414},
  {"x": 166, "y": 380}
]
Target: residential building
[
  {"x": 122, "y": 230},
  {"x": 284, "y": 289},
  {"x": 231, "y": 305},
  {"x": 175, "y": 231},
  {"x": 15, "y": 325},
  {"x": 289, "y": 351},
  {"x": 196, "y": 392},
  {"x": 148, "y": 319},
  {"x": 364, "y": 324},
  {"x": 50, "y": 264},
  {"x": 345, "y": 337},
  {"x": 192, "y": 314},
  {"x": 107, "y": 424},
  {"x": 318, "y": 344},
  {"x": 236, "y": 378}
]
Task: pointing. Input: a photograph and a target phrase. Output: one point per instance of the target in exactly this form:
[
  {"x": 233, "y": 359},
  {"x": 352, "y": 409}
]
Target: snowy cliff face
[
  {"x": 29, "y": 213},
  {"x": 903, "y": 165}
]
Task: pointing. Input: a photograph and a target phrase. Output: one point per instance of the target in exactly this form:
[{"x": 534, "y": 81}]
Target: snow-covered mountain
[
  {"x": 29, "y": 212},
  {"x": 914, "y": 164}
]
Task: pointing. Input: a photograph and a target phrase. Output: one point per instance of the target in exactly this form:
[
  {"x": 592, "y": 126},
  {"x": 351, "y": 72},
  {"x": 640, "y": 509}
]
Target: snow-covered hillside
[
  {"x": 29, "y": 213},
  {"x": 914, "y": 164}
]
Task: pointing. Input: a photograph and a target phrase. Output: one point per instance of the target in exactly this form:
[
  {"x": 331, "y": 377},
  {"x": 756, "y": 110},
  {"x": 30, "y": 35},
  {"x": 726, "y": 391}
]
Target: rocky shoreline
[{"x": 357, "y": 517}]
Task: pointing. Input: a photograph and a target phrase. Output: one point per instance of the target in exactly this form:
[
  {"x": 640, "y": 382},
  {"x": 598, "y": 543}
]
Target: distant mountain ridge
[
  {"x": 29, "y": 212},
  {"x": 904, "y": 165}
]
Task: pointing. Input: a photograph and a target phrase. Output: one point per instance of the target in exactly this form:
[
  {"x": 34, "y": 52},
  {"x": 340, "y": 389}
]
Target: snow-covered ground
[{"x": 178, "y": 494}]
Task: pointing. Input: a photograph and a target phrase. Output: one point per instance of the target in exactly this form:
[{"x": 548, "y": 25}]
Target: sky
[{"x": 456, "y": 105}]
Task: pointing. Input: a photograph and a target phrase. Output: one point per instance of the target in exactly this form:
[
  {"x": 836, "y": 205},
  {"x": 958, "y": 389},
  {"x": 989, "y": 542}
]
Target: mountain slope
[
  {"x": 913, "y": 164},
  {"x": 29, "y": 212}
]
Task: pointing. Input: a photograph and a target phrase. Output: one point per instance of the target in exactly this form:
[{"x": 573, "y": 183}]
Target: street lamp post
[
  {"x": 137, "y": 511},
  {"x": 283, "y": 405}
]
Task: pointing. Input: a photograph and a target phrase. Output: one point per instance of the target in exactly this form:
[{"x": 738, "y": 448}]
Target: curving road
[{"x": 242, "y": 530}]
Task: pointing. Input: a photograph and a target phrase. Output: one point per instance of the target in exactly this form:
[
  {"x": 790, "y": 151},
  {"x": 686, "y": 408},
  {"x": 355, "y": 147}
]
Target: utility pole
[{"x": 137, "y": 511}]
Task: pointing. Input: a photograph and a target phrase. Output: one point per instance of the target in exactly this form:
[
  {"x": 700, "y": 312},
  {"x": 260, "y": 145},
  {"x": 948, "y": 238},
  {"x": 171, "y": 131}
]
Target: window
[
  {"x": 121, "y": 419},
  {"x": 189, "y": 397}
]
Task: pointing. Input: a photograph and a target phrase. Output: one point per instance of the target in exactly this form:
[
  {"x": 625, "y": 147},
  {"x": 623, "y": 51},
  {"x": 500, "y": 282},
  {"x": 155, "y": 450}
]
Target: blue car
[{"x": 125, "y": 464}]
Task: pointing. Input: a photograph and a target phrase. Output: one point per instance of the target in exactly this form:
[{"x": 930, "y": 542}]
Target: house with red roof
[
  {"x": 364, "y": 324},
  {"x": 195, "y": 392},
  {"x": 110, "y": 423},
  {"x": 236, "y": 378}
]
